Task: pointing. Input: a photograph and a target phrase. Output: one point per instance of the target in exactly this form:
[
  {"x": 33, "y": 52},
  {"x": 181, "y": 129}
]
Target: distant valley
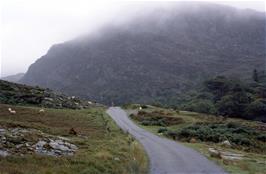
[{"x": 13, "y": 78}]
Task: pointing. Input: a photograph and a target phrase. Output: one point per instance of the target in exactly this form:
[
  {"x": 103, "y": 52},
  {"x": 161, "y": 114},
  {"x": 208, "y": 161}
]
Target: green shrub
[
  {"x": 146, "y": 123},
  {"x": 200, "y": 105},
  {"x": 262, "y": 138},
  {"x": 257, "y": 108},
  {"x": 172, "y": 134},
  {"x": 162, "y": 130},
  {"x": 240, "y": 140},
  {"x": 232, "y": 125},
  {"x": 218, "y": 132},
  {"x": 156, "y": 118}
]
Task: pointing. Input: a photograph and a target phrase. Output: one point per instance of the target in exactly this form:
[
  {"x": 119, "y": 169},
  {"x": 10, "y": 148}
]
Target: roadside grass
[
  {"x": 103, "y": 147},
  {"x": 254, "y": 162}
]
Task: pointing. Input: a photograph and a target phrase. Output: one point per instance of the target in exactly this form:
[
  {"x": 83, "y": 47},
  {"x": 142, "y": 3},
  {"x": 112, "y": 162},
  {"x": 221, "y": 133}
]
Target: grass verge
[
  {"x": 103, "y": 147},
  {"x": 254, "y": 161}
]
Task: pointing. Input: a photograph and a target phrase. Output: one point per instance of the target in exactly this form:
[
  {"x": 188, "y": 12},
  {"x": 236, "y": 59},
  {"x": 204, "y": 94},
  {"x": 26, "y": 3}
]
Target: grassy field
[
  {"x": 254, "y": 161},
  {"x": 102, "y": 147}
]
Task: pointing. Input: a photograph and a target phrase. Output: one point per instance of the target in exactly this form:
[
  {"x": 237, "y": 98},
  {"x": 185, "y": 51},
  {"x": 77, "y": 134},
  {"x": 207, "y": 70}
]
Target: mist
[{"x": 30, "y": 28}]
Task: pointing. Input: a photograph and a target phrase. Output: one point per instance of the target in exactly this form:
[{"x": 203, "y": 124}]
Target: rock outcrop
[{"x": 21, "y": 141}]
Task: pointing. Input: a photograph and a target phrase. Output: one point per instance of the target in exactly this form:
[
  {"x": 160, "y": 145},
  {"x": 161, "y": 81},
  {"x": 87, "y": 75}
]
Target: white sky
[{"x": 29, "y": 27}]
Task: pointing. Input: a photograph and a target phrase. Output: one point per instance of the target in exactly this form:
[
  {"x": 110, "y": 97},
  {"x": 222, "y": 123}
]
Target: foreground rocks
[
  {"x": 227, "y": 157},
  {"x": 55, "y": 147},
  {"x": 21, "y": 141}
]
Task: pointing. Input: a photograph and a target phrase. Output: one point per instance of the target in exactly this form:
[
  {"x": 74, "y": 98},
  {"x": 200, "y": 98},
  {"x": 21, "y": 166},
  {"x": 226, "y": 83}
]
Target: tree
[
  {"x": 200, "y": 105},
  {"x": 257, "y": 109},
  {"x": 234, "y": 103},
  {"x": 255, "y": 75},
  {"x": 219, "y": 86}
]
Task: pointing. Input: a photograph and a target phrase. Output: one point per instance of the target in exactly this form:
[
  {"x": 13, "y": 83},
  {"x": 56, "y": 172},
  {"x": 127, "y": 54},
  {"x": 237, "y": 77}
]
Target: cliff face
[{"x": 155, "y": 57}]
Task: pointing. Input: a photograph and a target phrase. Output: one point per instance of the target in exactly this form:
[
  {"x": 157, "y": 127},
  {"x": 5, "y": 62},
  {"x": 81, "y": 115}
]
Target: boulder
[
  {"x": 192, "y": 140},
  {"x": 3, "y": 153},
  {"x": 231, "y": 158},
  {"x": 226, "y": 143},
  {"x": 214, "y": 153}
]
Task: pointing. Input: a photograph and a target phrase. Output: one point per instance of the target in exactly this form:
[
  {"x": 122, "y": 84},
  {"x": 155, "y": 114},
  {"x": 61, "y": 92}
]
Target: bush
[
  {"x": 240, "y": 140},
  {"x": 262, "y": 138},
  {"x": 172, "y": 134},
  {"x": 202, "y": 106},
  {"x": 232, "y": 125},
  {"x": 257, "y": 108},
  {"x": 146, "y": 123},
  {"x": 156, "y": 118},
  {"x": 162, "y": 130},
  {"x": 217, "y": 132}
]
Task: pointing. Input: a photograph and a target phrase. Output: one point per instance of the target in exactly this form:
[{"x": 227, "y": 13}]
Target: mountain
[
  {"x": 14, "y": 78},
  {"x": 13, "y": 93},
  {"x": 157, "y": 55}
]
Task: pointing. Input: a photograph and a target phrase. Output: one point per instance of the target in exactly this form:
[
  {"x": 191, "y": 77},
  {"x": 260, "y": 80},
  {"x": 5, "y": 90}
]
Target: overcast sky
[{"x": 29, "y": 27}]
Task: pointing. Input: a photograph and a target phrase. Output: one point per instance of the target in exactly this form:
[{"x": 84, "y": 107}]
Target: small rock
[
  {"x": 41, "y": 143},
  {"x": 64, "y": 138},
  {"x": 74, "y": 147},
  {"x": 193, "y": 140},
  {"x": 19, "y": 146},
  {"x": 57, "y": 146},
  {"x": 49, "y": 99},
  {"x": 226, "y": 143},
  {"x": 3, "y": 153},
  {"x": 60, "y": 142},
  {"x": 117, "y": 159},
  {"x": 231, "y": 158},
  {"x": 214, "y": 153},
  {"x": 232, "y": 154},
  {"x": 2, "y": 130}
]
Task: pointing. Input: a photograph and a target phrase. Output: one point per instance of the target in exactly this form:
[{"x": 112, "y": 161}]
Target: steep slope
[
  {"x": 13, "y": 93},
  {"x": 155, "y": 56}
]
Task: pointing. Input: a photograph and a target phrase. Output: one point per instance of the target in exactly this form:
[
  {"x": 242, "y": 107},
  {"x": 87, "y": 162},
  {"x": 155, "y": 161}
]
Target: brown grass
[{"x": 97, "y": 147}]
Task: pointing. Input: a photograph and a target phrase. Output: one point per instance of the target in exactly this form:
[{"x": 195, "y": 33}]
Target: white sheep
[
  {"x": 41, "y": 110},
  {"x": 11, "y": 111},
  {"x": 140, "y": 108}
]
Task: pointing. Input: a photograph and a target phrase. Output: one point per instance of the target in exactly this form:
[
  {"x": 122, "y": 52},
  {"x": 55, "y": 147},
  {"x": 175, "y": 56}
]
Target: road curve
[{"x": 166, "y": 156}]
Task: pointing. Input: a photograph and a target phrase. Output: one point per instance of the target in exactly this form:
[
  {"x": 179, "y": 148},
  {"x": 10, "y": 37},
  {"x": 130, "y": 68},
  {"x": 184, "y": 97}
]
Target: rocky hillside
[
  {"x": 13, "y": 78},
  {"x": 12, "y": 93},
  {"x": 157, "y": 55}
]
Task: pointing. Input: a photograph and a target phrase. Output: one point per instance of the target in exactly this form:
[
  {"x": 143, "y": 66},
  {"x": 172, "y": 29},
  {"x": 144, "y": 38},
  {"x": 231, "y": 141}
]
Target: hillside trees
[{"x": 229, "y": 97}]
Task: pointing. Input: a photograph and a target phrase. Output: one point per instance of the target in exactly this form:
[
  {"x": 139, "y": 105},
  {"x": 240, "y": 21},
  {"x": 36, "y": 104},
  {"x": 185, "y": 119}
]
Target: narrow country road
[{"x": 166, "y": 156}]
